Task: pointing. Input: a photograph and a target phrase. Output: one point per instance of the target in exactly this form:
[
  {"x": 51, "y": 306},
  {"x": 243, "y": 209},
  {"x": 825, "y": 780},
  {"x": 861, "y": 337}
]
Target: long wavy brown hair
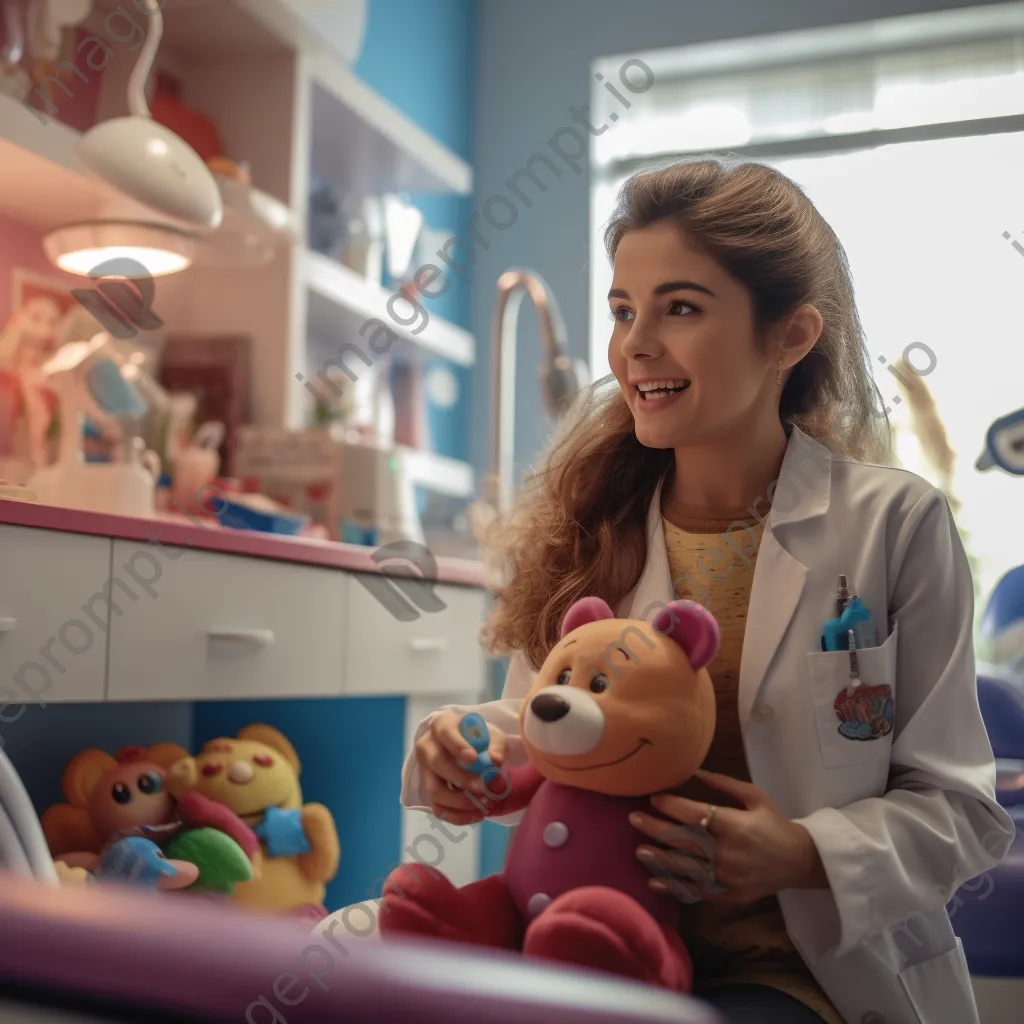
[{"x": 579, "y": 526}]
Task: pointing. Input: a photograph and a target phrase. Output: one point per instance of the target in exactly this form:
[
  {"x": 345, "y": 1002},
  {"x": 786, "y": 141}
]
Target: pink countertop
[{"x": 179, "y": 531}]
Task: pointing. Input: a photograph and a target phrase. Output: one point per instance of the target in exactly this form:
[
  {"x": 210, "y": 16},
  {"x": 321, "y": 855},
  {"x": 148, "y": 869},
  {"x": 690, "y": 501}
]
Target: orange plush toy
[
  {"x": 106, "y": 795},
  {"x": 128, "y": 795},
  {"x": 620, "y": 710}
]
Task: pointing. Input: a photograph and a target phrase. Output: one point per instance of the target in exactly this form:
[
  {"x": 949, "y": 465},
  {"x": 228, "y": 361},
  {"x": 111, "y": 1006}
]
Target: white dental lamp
[{"x": 170, "y": 195}]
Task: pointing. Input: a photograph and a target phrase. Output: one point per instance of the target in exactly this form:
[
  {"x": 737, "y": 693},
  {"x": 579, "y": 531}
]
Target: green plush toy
[{"x": 221, "y": 861}]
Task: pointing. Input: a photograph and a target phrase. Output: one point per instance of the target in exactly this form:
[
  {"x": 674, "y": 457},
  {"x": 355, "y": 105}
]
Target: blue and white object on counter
[{"x": 254, "y": 512}]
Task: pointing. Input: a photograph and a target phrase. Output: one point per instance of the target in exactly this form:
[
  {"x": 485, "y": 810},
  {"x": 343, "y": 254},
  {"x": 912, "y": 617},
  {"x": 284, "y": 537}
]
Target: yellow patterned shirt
[{"x": 716, "y": 568}]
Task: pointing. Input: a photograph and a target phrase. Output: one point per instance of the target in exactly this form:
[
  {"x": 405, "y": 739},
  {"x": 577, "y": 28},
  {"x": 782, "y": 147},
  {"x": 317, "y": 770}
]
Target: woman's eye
[
  {"x": 599, "y": 684},
  {"x": 564, "y": 677},
  {"x": 680, "y": 308},
  {"x": 622, "y": 313}
]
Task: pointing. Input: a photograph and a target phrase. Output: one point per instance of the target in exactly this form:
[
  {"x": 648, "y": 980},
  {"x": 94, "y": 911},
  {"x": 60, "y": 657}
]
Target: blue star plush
[{"x": 282, "y": 834}]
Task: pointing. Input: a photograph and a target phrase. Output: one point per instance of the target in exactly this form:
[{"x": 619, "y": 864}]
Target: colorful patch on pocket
[{"x": 865, "y": 713}]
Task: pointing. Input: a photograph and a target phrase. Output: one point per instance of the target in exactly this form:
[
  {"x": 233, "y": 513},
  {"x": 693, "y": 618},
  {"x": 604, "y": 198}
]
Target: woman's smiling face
[{"x": 680, "y": 319}]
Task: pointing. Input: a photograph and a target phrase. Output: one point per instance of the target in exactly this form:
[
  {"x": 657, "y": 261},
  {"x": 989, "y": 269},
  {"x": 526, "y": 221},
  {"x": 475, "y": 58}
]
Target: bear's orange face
[{"x": 618, "y": 706}]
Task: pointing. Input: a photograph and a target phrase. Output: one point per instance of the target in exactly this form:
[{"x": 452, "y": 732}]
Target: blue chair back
[{"x": 1001, "y": 697}]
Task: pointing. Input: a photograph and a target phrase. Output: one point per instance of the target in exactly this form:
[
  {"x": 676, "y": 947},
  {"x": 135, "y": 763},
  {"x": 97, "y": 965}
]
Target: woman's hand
[
  {"x": 441, "y": 751},
  {"x": 739, "y": 856}
]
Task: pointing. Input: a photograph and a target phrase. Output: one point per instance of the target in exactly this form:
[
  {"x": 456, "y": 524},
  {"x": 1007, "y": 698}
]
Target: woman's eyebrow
[{"x": 664, "y": 289}]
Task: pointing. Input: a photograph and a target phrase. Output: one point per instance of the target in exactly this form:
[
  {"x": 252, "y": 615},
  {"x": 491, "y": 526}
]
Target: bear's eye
[
  {"x": 263, "y": 760},
  {"x": 149, "y": 782},
  {"x": 599, "y": 684},
  {"x": 564, "y": 677},
  {"x": 121, "y": 793}
]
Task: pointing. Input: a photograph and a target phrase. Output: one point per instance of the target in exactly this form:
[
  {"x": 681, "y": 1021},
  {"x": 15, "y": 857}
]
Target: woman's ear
[
  {"x": 587, "y": 609},
  {"x": 693, "y": 627},
  {"x": 798, "y": 334}
]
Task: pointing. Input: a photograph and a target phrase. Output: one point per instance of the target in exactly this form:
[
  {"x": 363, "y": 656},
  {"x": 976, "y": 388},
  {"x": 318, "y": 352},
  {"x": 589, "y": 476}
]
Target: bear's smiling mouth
[{"x": 604, "y": 764}]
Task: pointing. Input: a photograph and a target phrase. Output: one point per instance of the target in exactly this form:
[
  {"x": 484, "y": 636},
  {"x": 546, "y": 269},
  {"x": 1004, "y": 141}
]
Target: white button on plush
[
  {"x": 241, "y": 771},
  {"x": 537, "y": 903},
  {"x": 556, "y": 834}
]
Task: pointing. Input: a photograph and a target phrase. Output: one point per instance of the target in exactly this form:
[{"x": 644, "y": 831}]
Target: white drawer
[
  {"x": 53, "y": 618},
  {"x": 221, "y": 627},
  {"x": 436, "y": 652}
]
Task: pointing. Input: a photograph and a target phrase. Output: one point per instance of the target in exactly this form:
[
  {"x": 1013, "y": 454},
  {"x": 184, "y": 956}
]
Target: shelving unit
[
  {"x": 315, "y": 120},
  {"x": 342, "y": 301}
]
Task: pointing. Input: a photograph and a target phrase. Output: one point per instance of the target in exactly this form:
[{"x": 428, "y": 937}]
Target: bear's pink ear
[
  {"x": 693, "y": 627},
  {"x": 587, "y": 609}
]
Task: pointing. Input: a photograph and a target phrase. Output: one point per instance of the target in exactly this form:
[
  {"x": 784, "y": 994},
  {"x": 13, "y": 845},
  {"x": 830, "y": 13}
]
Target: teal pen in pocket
[{"x": 856, "y": 617}]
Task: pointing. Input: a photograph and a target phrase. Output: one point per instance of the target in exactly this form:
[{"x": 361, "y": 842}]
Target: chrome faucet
[{"x": 561, "y": 379}]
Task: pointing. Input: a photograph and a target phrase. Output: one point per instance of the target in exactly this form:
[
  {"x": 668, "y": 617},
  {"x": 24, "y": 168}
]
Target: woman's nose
[{"x": 640, "y": 342}]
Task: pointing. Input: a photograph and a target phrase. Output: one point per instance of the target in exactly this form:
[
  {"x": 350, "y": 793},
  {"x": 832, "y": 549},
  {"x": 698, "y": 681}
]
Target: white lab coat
[{"x": 900, "y": 822}]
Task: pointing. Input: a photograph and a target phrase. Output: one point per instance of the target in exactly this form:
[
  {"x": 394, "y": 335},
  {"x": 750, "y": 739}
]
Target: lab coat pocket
[
  {"x": 940, "y": 988},
  {"x": 855, "y": 726}
]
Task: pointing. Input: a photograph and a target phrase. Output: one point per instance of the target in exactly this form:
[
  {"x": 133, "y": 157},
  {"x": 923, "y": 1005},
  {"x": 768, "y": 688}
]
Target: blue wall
[{"x": 421, "y": 57}]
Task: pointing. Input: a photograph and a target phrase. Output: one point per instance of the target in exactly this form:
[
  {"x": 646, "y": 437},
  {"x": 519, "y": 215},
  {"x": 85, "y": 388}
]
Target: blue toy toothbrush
[{"x": 475, "y": 732}]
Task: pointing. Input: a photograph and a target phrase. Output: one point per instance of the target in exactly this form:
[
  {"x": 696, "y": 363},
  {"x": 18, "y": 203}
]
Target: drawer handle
[
  {"x": 8, "y": 625},
  {"x": 429, "y": 644},
  {"x": 261, "y": 637}
]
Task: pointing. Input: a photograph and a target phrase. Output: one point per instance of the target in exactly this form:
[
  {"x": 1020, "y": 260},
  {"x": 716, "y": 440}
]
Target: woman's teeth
[{"x": 653, "y": 390}]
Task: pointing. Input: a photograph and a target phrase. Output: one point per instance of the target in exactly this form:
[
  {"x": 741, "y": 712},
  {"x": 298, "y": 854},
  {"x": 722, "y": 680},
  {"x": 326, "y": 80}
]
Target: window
[{"x": 908, "y": 135}]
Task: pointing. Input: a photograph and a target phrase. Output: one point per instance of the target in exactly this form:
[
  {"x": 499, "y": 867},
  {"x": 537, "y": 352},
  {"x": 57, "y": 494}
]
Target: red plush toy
[{"x": 620, "y": 710}]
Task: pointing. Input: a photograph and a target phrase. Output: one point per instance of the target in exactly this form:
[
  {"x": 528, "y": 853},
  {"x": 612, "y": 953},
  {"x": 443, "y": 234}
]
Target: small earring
[{"x": 778, "y": 374}]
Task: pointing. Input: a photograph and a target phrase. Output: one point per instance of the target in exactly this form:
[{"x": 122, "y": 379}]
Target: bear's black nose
[{"x": 549, "y": 707}]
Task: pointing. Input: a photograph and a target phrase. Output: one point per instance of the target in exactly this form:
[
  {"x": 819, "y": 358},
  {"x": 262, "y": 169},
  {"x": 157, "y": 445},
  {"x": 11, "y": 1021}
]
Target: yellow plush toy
[{"x": 256, "y": 775}]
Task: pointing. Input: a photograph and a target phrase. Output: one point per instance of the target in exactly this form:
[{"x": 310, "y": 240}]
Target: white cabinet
[
  {"x": 53, "y": 616},
  {"x": 220, "y": 627},
  {"x": 431, "y": 653}
]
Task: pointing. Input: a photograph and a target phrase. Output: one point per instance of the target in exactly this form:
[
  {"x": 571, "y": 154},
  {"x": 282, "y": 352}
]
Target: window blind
[{"x": 812, "y": 99}]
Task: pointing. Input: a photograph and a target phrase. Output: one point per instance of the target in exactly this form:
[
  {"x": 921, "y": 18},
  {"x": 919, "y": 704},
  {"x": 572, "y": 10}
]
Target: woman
[{"x": 738, "y": 462}]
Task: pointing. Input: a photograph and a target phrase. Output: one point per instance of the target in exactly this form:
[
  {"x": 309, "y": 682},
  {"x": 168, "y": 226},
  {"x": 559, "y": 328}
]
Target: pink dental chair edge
[{"x": 167, "y": 954}]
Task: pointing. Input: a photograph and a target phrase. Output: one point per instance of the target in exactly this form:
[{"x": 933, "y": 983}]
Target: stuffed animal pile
[
  {"x": 620, "y": 710},
  {"x": 229, "y": 823}
]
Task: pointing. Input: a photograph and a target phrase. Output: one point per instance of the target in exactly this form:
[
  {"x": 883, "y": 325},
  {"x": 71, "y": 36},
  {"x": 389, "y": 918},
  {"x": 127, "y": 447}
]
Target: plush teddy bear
[
  {"x": 256, "y": 775},
  {"x": 620, "y": 710},
  {"x": 119, "y": 812}
]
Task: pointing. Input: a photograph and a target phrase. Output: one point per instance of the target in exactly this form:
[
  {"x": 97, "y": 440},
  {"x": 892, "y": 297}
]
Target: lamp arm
[{"x": 137, "y": 103}]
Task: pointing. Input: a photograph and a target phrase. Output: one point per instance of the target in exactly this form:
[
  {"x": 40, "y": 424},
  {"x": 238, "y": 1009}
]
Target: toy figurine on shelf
[{"x": 28, "y": 404}]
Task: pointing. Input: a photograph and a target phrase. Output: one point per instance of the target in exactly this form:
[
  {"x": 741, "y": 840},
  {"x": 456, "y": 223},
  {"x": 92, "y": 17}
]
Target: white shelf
[
  {"x": 367, "y": 147},
  {"x": 342, "y": 301}
]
